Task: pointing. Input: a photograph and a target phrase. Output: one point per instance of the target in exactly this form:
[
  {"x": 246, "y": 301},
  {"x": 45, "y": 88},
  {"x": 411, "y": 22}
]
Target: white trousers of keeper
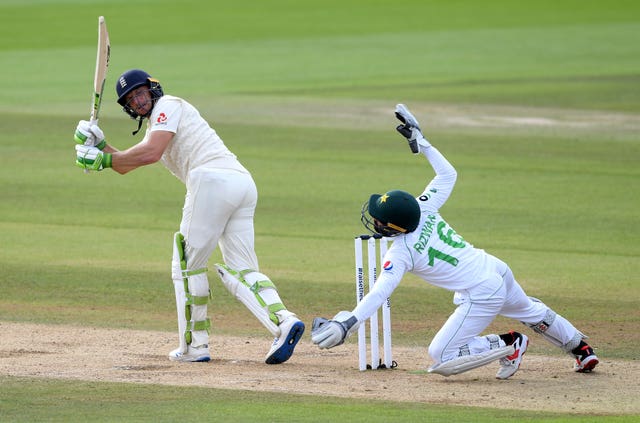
[{"x": 497, "y": 293}]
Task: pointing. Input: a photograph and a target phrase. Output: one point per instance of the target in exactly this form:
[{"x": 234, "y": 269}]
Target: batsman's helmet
[
  {"x": 129, "y": 81},
  {"x": 395, "y": 212}
]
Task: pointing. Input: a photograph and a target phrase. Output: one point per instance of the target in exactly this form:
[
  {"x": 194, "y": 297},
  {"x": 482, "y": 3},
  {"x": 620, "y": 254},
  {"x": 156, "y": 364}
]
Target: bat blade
[
  {"x": 102, "y": 64},
  {"x": 100, "y": 76}
]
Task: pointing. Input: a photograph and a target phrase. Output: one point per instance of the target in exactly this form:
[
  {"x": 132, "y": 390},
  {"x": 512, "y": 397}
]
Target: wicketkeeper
[
  {"x": 218, "y": 210},
  {"x": 484, "y": 286}
]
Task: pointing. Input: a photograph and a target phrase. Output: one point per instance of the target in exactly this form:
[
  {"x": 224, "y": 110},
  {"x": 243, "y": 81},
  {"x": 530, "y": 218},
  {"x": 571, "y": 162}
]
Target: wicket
[{"x": 376, "y": 247}]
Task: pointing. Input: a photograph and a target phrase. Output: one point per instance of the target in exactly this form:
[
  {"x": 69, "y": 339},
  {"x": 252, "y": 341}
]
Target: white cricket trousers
[
  {"x": 498, "y": 294},
  {"x": 219, "y": 208}
]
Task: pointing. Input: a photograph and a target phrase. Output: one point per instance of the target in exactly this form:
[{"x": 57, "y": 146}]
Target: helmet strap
[{"x": 139, "y": 126}]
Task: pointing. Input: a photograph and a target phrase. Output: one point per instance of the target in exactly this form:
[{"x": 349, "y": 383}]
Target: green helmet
[{"x": 392, "y": 213}]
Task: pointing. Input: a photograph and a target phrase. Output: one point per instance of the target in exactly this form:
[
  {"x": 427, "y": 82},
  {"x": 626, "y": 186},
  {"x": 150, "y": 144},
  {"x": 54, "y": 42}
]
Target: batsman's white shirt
[
  {"x": 221, "y": 195},
  {"x": 195, "y": 143}
]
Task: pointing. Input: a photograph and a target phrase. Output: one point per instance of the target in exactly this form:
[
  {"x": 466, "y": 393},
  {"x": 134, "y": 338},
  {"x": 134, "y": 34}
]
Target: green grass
[
  {"x": 103, "y": 402},
  {"x": 303, "y": 94}
]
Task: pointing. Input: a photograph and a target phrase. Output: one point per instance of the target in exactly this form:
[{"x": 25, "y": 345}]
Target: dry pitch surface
[{"x": 95, "y": 354}]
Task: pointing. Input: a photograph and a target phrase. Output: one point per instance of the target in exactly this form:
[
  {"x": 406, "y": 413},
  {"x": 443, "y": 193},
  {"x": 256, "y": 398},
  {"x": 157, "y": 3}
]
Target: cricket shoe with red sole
[
  {"x": 282, "y": 348},
  {"x": 509, "y": 365},
  {"x": 587, "y": 361}
]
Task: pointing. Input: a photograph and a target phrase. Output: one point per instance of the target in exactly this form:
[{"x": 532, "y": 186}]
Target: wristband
[{"x": 106, "y": 160}]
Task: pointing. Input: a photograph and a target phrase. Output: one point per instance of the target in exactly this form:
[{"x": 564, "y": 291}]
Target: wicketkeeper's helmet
[
  {"x": 129, "y": 81},
  {"x": 395, "y": 212}
]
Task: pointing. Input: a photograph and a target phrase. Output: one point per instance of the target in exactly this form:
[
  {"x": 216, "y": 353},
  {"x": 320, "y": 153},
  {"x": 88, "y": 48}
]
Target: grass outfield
[
  {"x": 104, "y": 403},
  {"x": 536, "y": 104}
]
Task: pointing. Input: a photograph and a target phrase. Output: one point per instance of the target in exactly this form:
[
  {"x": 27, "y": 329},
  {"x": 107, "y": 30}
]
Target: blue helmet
[{"x": 132, "y": 79}]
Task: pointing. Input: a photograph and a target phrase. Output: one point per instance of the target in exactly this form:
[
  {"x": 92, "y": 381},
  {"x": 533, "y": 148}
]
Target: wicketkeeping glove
[
  {"x": 410, "y": 129},
  {"x": 91, "y": 158},
  {"x": 331, "y": 333},
  {"x": 88, "y": 134}
]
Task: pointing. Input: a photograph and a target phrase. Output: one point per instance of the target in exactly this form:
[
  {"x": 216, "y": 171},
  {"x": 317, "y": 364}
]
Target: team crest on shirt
[{"x": 387, "y": 265}]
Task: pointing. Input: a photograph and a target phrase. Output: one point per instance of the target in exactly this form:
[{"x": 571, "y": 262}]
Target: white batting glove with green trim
[
  {"x": 91, "y": 158},
  {"x": 89, "y": 134}
]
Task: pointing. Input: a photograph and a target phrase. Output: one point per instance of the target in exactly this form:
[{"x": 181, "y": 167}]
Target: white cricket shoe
[
  {"x": 193, "y": 354},
  {"x": 511, "y": 363},
  {"x": 291, "y": 330}
]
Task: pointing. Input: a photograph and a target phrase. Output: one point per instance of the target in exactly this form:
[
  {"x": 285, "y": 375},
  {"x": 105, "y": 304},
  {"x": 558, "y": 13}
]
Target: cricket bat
[
  {"x": 100, "y": 76},
  {"x": 102, "y": 63}
]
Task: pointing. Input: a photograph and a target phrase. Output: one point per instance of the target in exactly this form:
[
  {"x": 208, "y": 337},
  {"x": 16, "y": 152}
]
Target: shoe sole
[
  {"x": 589, "y": 366},
  {"x": 185, "y": 359},
  {"x": 286, "y": 350},
  {"x": 199, "y": 360}
]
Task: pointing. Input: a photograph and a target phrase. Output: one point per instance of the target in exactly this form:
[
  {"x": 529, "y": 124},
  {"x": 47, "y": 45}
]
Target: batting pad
[
  {"x": 468, "y": 362},
  {"x": 249, "y": 288},
  {"x": 192, "y": 295}
]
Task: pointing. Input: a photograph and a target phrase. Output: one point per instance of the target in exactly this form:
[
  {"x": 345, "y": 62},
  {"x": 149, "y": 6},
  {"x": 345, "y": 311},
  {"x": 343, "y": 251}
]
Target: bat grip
[{"x": 92, "y": 121}]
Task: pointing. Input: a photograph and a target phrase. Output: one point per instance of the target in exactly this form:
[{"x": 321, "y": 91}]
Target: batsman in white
[
  {"x": 218, "y": 210},
  {"x": 484, "y": 286}
]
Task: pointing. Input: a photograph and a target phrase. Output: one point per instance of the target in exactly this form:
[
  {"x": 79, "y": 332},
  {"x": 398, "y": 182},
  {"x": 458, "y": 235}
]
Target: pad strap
[
  {"x": 259, "y": 286},
  {"x": 194, "y": 300},
  {"x": 200, "y": 325}
]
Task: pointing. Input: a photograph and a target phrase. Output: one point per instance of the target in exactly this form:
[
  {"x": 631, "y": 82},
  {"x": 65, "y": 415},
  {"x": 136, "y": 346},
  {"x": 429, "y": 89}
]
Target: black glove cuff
[
  {"x": 348, "y": 324},
  {"x": 404, "y": 130}
]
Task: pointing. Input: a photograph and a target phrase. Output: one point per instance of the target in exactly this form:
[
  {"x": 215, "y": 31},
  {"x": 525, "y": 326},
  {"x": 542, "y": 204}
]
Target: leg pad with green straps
[
  {"x": 192, "y": 296},
  {"x": 253, "y": 290}
]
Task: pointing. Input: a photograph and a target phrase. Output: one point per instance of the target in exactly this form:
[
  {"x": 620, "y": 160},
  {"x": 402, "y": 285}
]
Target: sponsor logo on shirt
[
  {"x": 426, "y": 197},
  {"x": 387, "y": 265},
  {"x": 162, "y": 119}
]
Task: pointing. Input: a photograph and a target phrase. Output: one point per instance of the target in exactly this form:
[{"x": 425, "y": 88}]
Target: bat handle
[{"x": 92, "y": 121}]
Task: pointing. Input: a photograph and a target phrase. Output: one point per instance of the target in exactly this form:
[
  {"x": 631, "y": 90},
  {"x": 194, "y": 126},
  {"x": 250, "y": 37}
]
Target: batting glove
[
  {"x": 89, "y": 134},
  {"x": 91, "y": 158},
  {"x": 331, "y": 333},
  {"x": 410, "y": 129}
]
